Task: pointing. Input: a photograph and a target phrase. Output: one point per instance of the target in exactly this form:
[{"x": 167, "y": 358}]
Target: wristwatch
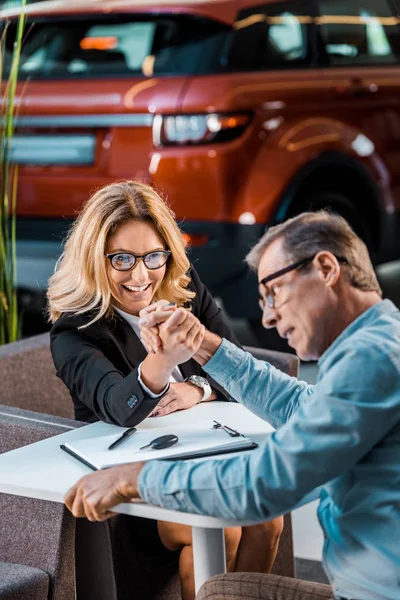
[{"x": 202, "y": 383}]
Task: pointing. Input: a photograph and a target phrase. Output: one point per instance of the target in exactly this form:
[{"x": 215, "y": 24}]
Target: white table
[{"x": 42, "y": 470}]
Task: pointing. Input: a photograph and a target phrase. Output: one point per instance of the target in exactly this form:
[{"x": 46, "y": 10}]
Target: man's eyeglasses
[
  {"x": 269, "y": 298},
  {"x": 124, "y": 261}
]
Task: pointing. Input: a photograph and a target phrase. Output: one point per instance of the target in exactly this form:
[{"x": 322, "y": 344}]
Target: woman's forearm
[{"x": 155, "y": 372}]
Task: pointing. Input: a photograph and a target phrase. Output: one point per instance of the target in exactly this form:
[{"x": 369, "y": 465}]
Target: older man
[{"x": 341, "y": 436}]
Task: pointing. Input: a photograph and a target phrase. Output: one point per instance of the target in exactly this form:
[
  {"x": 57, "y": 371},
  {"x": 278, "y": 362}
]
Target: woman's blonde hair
[{"x": 80, "y": 283}]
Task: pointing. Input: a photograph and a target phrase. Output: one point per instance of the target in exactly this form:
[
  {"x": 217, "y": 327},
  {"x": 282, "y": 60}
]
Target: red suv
[{"x": 241, "y": 112}]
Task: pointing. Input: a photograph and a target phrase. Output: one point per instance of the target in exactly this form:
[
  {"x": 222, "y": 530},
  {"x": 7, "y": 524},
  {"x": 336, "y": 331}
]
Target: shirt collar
[
  {"x": 132, "y": 319},
  {"x": 384, "y": 307}
]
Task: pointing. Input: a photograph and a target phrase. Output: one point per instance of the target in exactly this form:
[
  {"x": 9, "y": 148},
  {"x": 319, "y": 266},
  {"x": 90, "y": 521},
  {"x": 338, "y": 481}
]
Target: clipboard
[{"x": 194, "y": 442}]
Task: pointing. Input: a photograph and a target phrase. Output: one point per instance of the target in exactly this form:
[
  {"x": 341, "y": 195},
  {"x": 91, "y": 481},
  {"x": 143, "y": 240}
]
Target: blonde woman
[{"x": 124, "y": 252}]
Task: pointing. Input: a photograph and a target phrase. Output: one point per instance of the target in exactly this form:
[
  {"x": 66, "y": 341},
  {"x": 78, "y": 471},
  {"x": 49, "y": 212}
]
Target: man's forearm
[{"x": 208, "y": 348}]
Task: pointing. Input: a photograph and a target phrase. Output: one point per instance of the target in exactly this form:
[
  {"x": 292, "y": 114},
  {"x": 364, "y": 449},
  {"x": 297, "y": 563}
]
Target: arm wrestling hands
[
  {"x": 157, "y": 323},
  {"x": 158, "y": 318}
]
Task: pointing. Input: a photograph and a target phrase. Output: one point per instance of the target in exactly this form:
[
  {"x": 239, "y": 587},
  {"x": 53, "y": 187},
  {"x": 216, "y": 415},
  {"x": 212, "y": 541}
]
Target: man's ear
[{"x": 328, "y": 267}]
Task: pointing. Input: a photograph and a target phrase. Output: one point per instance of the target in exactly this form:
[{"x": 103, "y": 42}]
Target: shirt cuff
[
  {"x": 146, "y": 389},
  {"x": 226, "y": 359},
  {"x": 155, "y": 487},
  {"x": 225, "y": 365}
]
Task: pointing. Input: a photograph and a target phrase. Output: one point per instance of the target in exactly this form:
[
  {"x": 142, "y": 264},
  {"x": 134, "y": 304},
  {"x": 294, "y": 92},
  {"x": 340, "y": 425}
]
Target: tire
[
  {"x": 341, "y": 205},
  {"x": 338, "y": 204}
]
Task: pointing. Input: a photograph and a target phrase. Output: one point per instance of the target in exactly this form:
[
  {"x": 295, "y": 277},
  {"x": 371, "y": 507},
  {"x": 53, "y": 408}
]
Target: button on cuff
[{"x": 133, "y": 400}]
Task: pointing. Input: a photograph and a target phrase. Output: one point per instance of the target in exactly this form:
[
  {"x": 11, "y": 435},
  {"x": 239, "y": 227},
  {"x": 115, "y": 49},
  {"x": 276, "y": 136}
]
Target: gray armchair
[
  {"x": 18, "y": 581},
  {"x": 28, "y": 378},
  {"x": 288, "y": 363},
  {"x": 43, "y": 536}
]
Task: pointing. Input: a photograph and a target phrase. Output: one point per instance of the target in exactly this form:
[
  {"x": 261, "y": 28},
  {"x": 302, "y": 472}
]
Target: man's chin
[{"x": 305, "y": 354}]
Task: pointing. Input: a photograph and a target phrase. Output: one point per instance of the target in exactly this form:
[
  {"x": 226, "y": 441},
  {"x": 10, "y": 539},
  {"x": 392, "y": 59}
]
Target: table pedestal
[{"x": 209, "y": 554}]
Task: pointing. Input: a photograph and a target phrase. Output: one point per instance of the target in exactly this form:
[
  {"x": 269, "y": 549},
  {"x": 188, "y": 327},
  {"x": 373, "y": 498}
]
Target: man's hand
[
  {"x": 180, "y": 396},
  {"x": 151, "y": 320},
  {"x": 210, "y": 344},
  {"x": 95, "y": 494},
  {"x": 180, "y": 335}
]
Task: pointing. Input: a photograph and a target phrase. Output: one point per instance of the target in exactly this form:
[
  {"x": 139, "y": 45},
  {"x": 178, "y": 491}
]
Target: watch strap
[{"x": 204, "y": 385}]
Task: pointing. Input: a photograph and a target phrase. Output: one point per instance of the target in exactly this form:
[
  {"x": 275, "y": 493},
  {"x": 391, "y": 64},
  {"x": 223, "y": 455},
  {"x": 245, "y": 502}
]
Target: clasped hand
[{"x": 173, "y": 332}]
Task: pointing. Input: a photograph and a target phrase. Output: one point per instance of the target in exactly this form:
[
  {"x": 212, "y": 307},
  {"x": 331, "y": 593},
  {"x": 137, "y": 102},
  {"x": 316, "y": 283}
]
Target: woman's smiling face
[{"x": 134, "y": 289}]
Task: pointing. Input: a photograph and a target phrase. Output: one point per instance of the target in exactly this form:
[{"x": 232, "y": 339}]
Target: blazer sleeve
[
  {"x": 94, "y": 380},
  {"x": 212, "y": 316}
]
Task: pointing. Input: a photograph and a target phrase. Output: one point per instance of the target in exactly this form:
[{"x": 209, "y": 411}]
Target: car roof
[{"x": 221, "y": 10}]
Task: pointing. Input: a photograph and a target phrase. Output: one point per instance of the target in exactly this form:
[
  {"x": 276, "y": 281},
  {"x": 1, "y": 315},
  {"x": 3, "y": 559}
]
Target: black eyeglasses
[
  {"x": 270, "y": 296},
  {"x": 124, "y": 261}
]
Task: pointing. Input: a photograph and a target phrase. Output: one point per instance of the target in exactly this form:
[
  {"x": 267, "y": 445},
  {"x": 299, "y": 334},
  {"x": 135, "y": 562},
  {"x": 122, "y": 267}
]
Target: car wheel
[{"x": 341, "y": 205}]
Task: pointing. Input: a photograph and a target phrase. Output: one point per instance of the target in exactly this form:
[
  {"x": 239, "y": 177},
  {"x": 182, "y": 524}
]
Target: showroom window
[
  {"x": 274, "y": 36},
  {"x": 358, "y": 31}
]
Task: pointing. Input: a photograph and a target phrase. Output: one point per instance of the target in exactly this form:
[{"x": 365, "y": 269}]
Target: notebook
[{"x": 194, "y": 442}]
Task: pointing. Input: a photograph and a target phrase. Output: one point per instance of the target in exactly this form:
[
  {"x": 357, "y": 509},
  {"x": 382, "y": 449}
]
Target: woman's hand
[
  {"x": 151, "y": 339},
  {"x": 180, "y": 338},
  {"x": 180, "y": 396},
  {"x": 149, "y": 333}
]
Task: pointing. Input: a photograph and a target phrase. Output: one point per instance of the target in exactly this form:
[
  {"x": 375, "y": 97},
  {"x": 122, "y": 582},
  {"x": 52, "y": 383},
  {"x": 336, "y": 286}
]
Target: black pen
[{"x": 127, "y": 434}]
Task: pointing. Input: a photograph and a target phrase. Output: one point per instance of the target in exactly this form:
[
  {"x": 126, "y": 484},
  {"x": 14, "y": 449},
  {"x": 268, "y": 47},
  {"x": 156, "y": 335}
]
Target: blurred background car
[{"x": 242, "y": 113}]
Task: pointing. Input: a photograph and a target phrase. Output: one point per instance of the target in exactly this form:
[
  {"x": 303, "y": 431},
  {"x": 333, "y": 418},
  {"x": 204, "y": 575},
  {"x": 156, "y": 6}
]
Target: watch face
[{"x": 198, "y": 380}]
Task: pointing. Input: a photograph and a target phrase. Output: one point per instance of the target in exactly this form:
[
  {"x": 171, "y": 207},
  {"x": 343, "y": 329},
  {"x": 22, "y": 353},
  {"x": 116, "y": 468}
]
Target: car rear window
[{"x": 118, "y": 46}]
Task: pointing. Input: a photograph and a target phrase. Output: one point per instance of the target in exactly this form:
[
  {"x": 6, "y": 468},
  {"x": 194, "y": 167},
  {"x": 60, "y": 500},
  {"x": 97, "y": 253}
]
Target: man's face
[{"x": 303, "y": 303}]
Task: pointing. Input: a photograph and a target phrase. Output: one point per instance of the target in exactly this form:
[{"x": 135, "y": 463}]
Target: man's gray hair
[{"x": 312, "y": 232}]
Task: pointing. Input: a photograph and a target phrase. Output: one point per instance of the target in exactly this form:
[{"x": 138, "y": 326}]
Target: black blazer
[{"x": 98, "y": 364}]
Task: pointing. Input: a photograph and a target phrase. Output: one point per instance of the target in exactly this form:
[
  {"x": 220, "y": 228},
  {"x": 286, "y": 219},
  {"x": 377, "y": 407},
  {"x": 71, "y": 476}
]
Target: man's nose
[{"x": 270, "y": 317}]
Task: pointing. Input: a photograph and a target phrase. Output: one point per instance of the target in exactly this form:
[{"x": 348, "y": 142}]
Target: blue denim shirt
[{"x": 341, "y": 435}]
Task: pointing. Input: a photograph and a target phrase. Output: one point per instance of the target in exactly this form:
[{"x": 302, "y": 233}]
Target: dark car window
[
  {"x": 115, "y": 46},
  {"x": 358, "y": 32},
  {"x": 15, "y": 3},
  {"x": 271, "y": 36}
]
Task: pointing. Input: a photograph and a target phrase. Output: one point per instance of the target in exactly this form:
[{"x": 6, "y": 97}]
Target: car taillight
[{"x": 175, "y": 130}]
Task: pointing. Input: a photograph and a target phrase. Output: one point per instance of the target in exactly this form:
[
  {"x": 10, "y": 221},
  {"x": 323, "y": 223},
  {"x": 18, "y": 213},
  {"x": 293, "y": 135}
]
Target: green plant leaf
[{"x": 10, "y": 326}]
